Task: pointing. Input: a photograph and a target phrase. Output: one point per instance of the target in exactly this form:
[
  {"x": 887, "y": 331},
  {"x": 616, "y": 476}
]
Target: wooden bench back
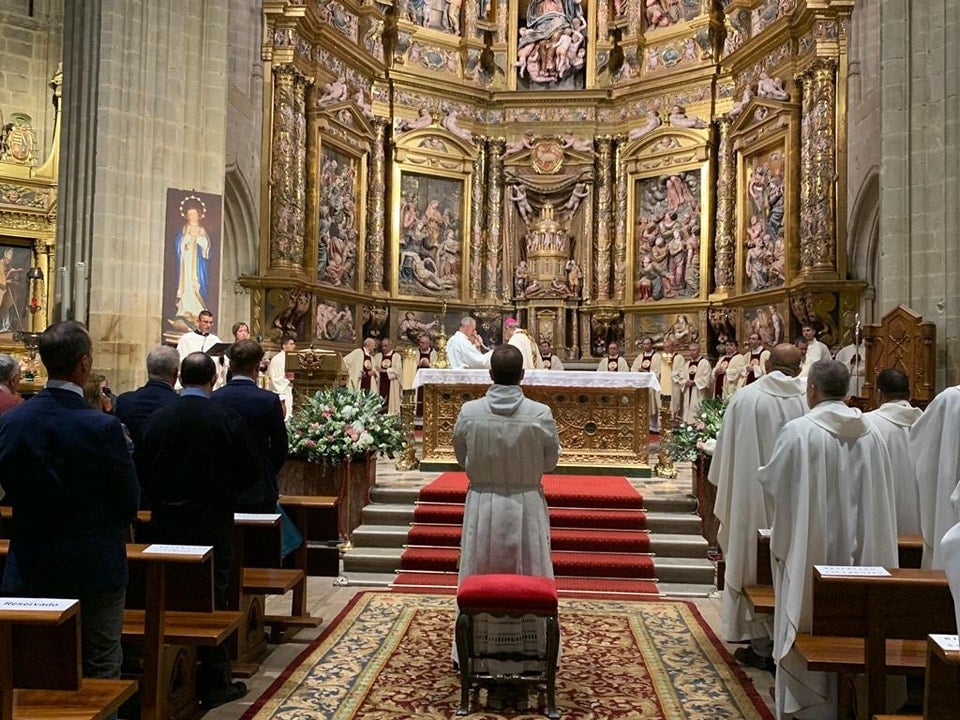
[
  {"x": 189, "y": 587},
  {"x": 45, "y": 645}
]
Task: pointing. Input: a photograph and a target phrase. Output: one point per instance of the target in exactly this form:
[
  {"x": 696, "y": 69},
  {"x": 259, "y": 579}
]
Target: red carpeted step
[
  {"x": 560, "y": 490},
  {"x": 626, "y": 541},
  {"x": 452, "y": 514},
  {"x": 579, "y": 564},
  {"x": 406, "y": 581}
]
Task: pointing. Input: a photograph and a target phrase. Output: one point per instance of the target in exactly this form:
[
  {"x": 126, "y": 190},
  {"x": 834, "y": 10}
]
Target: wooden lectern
[{"x": 902, "y": 340}]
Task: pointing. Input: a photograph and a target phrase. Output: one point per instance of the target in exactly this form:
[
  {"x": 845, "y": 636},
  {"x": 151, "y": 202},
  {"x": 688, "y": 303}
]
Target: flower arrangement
[
  {"x": 340, "y": 424},
  {"x": 700, "y": 436}
]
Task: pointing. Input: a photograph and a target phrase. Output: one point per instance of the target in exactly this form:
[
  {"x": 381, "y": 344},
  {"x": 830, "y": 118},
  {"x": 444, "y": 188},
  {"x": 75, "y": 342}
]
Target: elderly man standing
[
  {"x": 462, "y": 353},
  {"x": 520, "y": 339},
  {"x": 934, "y": 440},
  {"x": 361, "y": 371},
  {"x": 9, "y": 382},
  {"x": 832, "y": 488},
  {"x": 893, "y": 420},
  {"x": 389, "y": 365},
  {"x": 749, "y": 431},
  {"x": 694, "y": 377},
  {"x": 506, "y": 528}
]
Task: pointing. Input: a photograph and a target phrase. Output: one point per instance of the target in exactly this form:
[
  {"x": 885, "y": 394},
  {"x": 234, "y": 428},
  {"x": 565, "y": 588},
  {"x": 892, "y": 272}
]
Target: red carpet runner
[{"x": 597, "y": 533}]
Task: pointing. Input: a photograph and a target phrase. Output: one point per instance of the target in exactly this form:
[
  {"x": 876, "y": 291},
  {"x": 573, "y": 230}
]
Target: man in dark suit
[
  {"x": 72, "y": 484},
  {"x": 134, "y": 407},
  {"x": 263, "y": 413},
  {"x": 197, "y": 458}
]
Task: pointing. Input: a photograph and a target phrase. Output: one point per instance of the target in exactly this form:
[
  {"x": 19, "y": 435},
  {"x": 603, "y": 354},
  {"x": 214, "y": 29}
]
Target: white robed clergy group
[{"x": 836, "y": 486}]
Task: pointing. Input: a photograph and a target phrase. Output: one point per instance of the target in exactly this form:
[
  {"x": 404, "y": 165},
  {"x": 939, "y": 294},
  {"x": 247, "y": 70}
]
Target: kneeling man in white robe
[
  {"x": 751, "y": 423},
  {"x": 506, "y": 443},
  {"x": 462, "y": 351},
  {"x": 832, "y": 488}
]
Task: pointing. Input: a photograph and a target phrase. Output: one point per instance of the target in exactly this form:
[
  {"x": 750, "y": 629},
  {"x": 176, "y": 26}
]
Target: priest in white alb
[
  {"x": 751, "y": 423},
  {"x": 935, "y": 453},
  {"x": 613, "y": 361},
  {"x": 549, "y": 360},
  {"x": 754, "y": 360},
  {"x": 832, "y": 488},
  {"x": 521, "y": 340},
  {"x": 389, "y": 365},
  {"x": 361, "y": 372},
  {"x": 695, "y": 379},
  {"x": 855, "y": 358},
  {"x": 727, "y": 372},
  {"x": 462, "y": 352},
  {"x": 280, "y": 381},
  {"x": 816, "y": 350},
  {"x": 649, "y": 361},
  {"x": 893, "y": 420}
]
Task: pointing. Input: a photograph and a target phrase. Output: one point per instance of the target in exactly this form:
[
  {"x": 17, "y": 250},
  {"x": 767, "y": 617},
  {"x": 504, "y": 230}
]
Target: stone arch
[
  {"x": 240, "y": 249},
  {"x": 863, "y": 242}
]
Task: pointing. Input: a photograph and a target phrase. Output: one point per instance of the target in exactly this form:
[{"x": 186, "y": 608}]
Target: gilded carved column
[
  {"x": 620, "y": 228},
  {"x": 818, "y": 169},
  {"x": 288, "y": 170},
  {"x": 375, "y": 209},
  {"x": 478, "y": 187},
  {"x": 725, "y": 245},
  {"x": 494, "y": 204},
  {"x": 604, "y": 143}
]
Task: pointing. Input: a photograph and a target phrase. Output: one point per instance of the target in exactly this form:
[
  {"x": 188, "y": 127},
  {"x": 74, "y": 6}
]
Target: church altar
[{"x": 602, "y": 418}]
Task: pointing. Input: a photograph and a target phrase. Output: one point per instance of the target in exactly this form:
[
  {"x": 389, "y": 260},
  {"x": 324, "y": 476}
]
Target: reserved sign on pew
[
  {"x": 950, "y": 643},
  {"x": 265, "y": 518},
  {"x": 198, "y": 550},
  {"x": 852, "y": 571},
  {"x": 14, "y": 604}
]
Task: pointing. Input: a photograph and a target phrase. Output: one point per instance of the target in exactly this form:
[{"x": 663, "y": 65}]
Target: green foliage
[{"x": 691, "y": 439}]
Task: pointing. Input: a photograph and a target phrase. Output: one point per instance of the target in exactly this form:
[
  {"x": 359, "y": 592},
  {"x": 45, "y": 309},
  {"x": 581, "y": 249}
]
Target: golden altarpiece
[
  {"x": 28, "y": 217},
  {"x": 601, "y": 170}
]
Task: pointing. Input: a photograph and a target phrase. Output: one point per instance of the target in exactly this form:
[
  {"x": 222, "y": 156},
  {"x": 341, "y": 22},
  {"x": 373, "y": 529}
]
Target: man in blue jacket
[{"x": 71, "y": 481}]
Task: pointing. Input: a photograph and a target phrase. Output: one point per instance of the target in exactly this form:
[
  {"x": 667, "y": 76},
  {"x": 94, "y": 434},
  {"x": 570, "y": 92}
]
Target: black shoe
[
  {"x": 746, "y": 656},
  {"x": 222, "y": 696}
]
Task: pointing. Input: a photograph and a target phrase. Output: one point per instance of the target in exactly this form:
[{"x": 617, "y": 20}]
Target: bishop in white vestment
[
  {"x": 751, "y": 423},
  {"x": 361, "y": 372},
  {"x": 462, "y": 354},
  {"x": 893, "y": 420},
  {"x": 518, "y": 337},
  {"x": 506, "y": 443},
  {"x": 934, "y": 443},
  {"x": 832, "y": 488}
]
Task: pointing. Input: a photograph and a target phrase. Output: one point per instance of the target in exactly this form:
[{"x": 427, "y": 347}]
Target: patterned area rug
[{"x": 387, "y": 656}]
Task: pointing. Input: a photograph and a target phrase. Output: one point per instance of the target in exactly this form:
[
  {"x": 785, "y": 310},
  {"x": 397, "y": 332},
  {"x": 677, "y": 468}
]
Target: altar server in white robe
[
  {"x": 816, "y": 350},
  {"x": 506, "y": 442},
  {"x": 361, "y": 371},
  {"x": 832, "y": 488},
  {"x": 521, "y": 340},
  {"x": 462, "y": 353},
  {"x": 649, "y": 361},
  {"x": 613, "y": 361},
  {"x": 281, "y": 382},
  {"x": 950, "y": 548},
  {"x": 548, "y": 358},
  {"x": 934, "y": 443},
  {"x": 893, "y": 420},
  {"x": 855, "y": 358},
  {"x": 695, "y": 378},
  {"x": 751, "y": 423}
]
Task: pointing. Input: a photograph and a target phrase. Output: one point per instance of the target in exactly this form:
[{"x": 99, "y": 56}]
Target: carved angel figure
[
  {"x": 748, "y": 95},
  {"x": 678, "y": 118},
  {"x": 652, "y": 123},
  {"x": 771, "y": 87},
  {"x": 580, "y": 191},
  {"x": 336, "y": 91},
  {"x": 450, "y": 123},
  {"x": 424, "y": 119},
  {"x": 518, "y": 195}
]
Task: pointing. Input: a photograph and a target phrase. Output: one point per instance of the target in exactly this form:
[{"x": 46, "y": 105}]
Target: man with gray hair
[
  {"x": 831, "y": 482},
  {"x": 462, "y": 353},
  {"x": 9, "y": 382},
  {"x": 134, "y": 407}
]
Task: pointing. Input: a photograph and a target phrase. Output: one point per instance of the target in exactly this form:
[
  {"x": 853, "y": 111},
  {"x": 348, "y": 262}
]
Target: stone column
[
  {"x": 477, "y": 190},
  {"x": 604, "y": 194},
  {"x": 620, "y": 278},
  {"x": 288, "y": 171},
  {"x": 375, "y": 209},
  {"x": 494, "y": 216},
  {"x": 818, "y": 169},
  {"x": 725, "y": 244}
]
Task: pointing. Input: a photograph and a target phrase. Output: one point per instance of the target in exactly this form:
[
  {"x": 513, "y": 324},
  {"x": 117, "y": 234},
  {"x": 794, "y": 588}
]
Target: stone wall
[{"x": 29, "y": 55}]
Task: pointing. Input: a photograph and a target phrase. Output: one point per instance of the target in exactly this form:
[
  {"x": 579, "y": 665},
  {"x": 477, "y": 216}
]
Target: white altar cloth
[{"x": 543, "y": 378}]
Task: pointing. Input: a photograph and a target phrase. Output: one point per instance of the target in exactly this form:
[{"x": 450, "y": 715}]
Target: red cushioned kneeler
[{"x": 502, "y": 596}]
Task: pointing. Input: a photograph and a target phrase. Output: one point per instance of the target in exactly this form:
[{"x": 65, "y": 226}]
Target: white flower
[
  {"x": 709, "y": 445},
  {"x": 349, "y": 412}
]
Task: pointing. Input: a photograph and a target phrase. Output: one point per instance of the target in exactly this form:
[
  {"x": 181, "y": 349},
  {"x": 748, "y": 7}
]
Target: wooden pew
[
  {"x": 40, "y": 665},
  {"x": 316, "y": 518},
  {"x": 876, "y": 625},
  {"x": 941, "y": 697},
  {"x": 176, "y": 617}
]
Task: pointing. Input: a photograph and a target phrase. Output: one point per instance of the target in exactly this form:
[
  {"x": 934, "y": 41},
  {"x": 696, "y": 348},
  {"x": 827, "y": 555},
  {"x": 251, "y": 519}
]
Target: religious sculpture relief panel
[
  {"x": 288, "y": 313},
  {"x": 551, "y": 50},
  {"x": 334, "y": 322},
  {"x": 339, "y": 218},
  {"x": 672, "y": 331},
  {"x": 769, "y": 322},
  {"x": 664, "y": 13},
  {"x": 667, "y": 236},
  {"x": 764, "y": 242}
]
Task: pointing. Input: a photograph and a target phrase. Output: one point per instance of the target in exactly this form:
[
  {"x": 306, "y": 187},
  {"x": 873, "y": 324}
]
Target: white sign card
[
  {"x": 33, "y": 604},
  {"x": 950, "y": 643},
  {"x": 852, "y": 571},
  {"x": 266, "y": 518},
  {"x": 198, "y": 550}
]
